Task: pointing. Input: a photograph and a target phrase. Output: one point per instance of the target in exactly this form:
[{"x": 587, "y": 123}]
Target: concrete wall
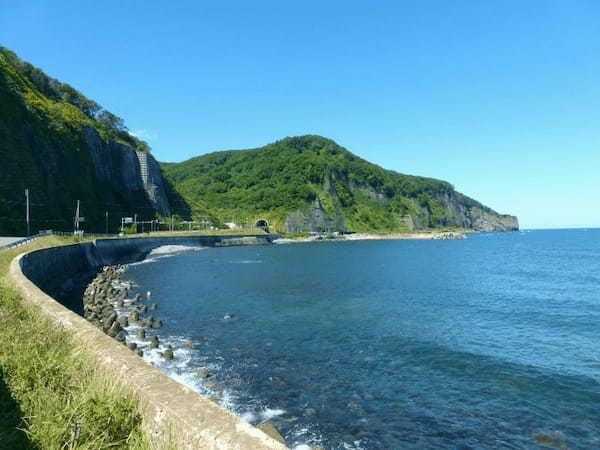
[{"x": 169, "y": 409}]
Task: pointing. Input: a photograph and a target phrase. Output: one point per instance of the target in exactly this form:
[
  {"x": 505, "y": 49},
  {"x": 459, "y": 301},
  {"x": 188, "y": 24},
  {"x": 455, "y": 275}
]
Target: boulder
[
  {"x": 157, "y": 324},
  {"x": 168, "y": 354},
  {"x": 203, "y": 373},
  {"x": 121, "y": 336},
  {"x": 154, "y": 342},
  {"x": 141, "y": 334},
  {"x": 132, "y": 346}
]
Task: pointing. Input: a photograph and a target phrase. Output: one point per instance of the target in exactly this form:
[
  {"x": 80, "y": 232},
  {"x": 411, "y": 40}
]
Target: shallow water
[{"x": 488, "y": 342}]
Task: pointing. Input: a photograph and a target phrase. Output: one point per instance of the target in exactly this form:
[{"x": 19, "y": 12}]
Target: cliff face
[
  {"x": 465, "y": 212},
  {"x": 127, "y": 169},
  {"x": 51, "y": 144}
]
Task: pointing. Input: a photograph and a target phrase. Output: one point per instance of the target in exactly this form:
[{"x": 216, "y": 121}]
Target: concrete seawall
[{"x": 170, "y": 410}]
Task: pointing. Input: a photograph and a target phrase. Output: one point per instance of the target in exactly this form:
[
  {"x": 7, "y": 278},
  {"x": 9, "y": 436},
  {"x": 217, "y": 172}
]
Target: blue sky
[{"x": 502, "y": 98}]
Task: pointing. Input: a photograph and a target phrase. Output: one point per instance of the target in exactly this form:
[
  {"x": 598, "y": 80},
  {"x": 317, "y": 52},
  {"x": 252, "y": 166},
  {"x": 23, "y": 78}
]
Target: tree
[{"x": 112, "y": 121}]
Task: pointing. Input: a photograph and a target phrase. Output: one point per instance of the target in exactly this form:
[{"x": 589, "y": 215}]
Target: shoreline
[{"x": 434, "y": 235}]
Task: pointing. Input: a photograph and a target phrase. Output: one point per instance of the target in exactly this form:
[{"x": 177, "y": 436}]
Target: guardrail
[{"x": 29, "y": 239}]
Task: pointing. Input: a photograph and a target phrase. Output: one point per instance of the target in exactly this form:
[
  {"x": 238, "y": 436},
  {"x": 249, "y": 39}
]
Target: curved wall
[{"x": 170, "y": 410}]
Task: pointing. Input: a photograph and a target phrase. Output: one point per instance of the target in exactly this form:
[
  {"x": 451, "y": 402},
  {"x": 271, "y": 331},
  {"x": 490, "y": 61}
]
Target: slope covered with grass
[{"x": 52, "y": 395}]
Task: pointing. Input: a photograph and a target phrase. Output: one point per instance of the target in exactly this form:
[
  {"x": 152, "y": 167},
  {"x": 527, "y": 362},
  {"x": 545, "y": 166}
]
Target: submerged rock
[
  {"x": 157, "y": 324},
  {"x": 310, "y": 412},
  {"x": 141, "y": 334},
  {"x": 168, "y": 354},
  {"x": 210, "y": 384},
  {"x": 203, "y": 373}
]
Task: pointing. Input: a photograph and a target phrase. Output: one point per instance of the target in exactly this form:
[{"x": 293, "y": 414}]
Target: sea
[{"x": 488, "y": 342}]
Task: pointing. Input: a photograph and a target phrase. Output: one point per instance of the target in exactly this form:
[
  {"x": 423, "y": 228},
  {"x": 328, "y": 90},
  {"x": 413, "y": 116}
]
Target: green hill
[
  {"x": 309, "y": 183},
  {"x": 64, "y": 147}
]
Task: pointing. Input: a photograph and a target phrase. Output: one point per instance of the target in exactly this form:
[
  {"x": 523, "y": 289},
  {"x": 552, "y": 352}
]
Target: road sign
[{"x": 127, "y": 219}]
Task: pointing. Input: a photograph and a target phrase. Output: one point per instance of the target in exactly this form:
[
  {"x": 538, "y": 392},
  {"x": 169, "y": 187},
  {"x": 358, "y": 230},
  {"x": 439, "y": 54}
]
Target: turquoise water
[{"x": 490, "y": 342}]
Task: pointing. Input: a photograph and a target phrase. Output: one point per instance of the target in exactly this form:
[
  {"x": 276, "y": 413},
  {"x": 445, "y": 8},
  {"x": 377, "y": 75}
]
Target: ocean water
[{"x": 490, "y": 342}]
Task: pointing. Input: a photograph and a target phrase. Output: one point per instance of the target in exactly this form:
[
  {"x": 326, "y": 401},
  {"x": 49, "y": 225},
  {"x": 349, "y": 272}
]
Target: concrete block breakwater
[{"x": 171, "y": 412}]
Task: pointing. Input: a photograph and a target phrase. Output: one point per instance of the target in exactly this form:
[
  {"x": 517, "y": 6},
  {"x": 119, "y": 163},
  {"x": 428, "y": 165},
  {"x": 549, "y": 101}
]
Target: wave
[{"x": 170, "y": 249}]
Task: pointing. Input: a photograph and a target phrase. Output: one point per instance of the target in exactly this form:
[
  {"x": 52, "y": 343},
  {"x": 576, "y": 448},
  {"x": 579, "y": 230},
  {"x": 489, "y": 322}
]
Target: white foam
[
  {"x": 170, "y": 249},
  {"x": 269, "y": 413}
]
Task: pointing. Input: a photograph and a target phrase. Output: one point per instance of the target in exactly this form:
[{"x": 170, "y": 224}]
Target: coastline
[{"x": 433, "y": 235}]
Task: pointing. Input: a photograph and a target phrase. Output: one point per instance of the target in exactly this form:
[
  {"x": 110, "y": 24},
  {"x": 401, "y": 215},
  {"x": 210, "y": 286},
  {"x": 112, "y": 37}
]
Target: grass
[{"x": 52, "y": 394}]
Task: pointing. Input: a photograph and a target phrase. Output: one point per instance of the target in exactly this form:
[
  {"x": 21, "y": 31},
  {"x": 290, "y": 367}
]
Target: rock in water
[
  {"x": 168, "y": 354},
  {"x": 203, "y": 373},
  {"x": 154, "y": 342}
]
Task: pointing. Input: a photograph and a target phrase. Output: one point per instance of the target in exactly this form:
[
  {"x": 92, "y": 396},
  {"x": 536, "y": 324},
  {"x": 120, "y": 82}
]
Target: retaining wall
[{"x": 169, "y": 409}]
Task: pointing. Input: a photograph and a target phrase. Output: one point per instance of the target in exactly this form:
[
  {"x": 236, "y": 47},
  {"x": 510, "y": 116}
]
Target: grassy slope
[
  {"x": 291, "y": 174},
  {"x": 49, "y": 388}
]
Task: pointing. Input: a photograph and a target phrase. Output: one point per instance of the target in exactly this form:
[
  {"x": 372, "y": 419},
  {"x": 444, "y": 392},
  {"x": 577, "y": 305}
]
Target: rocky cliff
[{"x": 63, "y": 147}]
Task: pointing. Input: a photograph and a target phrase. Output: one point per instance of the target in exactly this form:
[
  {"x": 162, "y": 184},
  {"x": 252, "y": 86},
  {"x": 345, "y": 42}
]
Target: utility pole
[
  {"x": 135, "y": 221},
  {"x": 77, "y": 217},
  {"x": 106, "y": 222},
  {"x": 27, "y": 211},
  {"x": 171, "y": 223}
]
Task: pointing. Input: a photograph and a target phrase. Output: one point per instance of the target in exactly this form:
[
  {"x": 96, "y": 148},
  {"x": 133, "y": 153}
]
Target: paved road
[{"x": 8, "y": 240}]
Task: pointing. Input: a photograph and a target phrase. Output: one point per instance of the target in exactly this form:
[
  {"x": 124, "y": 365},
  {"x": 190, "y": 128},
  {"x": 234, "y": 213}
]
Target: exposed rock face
[
  {"x": 461, "y": 210},
  {"x": 131, "y": 171},
  {"x": 484, "y": 221},
  {"x": 468, "y": 213},
  {"x": 313, "y": 219}
]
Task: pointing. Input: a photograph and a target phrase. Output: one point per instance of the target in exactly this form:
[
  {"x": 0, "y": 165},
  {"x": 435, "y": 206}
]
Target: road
[{"x": 9, "y": 240}]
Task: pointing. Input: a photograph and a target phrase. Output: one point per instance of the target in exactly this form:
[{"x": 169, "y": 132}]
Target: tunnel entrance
[{"x": 262, "y": 224}]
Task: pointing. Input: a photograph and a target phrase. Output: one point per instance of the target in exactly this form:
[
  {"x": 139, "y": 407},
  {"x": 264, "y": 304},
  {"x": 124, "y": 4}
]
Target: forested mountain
[
  {"x": 64, "y": 147},
  {"x": 310, "y": 183}
]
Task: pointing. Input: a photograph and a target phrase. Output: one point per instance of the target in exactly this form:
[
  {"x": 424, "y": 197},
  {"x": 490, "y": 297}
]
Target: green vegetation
[
  {"x": 45, "y": 129},
  {"x": 310, "y": 183},
  {"x": 51, "y": 394}
]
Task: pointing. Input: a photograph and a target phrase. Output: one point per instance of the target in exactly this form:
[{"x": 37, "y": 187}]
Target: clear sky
[{"x": 500, "y": 98}]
